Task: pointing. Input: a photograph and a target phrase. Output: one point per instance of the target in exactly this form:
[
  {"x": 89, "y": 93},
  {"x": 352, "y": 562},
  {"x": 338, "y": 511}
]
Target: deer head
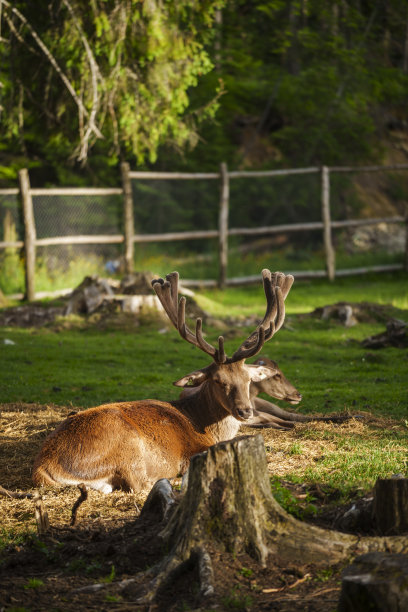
[
  {"x": 276, "y": 384},
  {"x": 227, "y": 380}
]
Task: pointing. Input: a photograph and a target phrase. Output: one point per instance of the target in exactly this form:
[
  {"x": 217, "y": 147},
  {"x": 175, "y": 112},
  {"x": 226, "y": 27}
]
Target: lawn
[{"x": 76, "y": 363}]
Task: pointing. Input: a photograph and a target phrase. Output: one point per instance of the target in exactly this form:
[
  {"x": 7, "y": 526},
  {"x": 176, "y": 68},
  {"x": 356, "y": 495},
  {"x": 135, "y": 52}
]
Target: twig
[
  {"x": 291, "y": 586},
  {"x": 14, "y": 495},
  {"x": 48, "y": 55}
]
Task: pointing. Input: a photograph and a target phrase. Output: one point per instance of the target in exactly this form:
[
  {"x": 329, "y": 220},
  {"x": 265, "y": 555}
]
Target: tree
[
  {"x": 109, "y": 74},
  {"x": 307, "y": 82}
]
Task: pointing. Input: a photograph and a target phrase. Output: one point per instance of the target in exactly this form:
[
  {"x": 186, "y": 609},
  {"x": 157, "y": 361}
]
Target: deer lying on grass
[
  {"x": 130, "y": 445},
  {"x": 278, "y": 386}
]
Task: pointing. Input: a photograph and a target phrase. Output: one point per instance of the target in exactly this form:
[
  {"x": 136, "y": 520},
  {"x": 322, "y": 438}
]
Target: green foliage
[
  {"x": 306, "y": 82},
  {"x": 11, "y": 538},
  {"x": 246, "y": 572},
  {"x": 288, "y": 83},
  {"x": 110, "y": 577},
  {"x": 117, "y": 73},
  {"x": 113, "y": 598},
  {"x": 325, "y": 574},
  {"x": 34, "y": 583},
  {"x": 236, "y": 600},
  {"x": 298, "y": 508}
]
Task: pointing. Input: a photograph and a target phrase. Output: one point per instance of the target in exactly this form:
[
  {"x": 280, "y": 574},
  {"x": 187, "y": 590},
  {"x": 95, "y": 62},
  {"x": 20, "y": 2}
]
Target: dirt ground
[
  {"x": 111, "y": 544},
  {"x": 71, "y": 560}
]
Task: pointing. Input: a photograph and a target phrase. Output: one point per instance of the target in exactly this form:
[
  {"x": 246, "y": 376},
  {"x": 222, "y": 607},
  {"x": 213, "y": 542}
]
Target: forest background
[{"x": 258, "y": 84}]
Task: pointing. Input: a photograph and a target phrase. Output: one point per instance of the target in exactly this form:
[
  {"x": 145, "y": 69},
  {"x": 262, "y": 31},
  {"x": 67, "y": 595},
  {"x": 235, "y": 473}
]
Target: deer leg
[
  {"x": 262, "y": 420},
  {"x": 263, "y": 408},
  {"x": 83, "y": 497}
]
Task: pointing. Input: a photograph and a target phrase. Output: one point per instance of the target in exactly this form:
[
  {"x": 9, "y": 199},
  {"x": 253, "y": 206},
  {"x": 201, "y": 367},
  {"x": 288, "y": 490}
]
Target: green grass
[
  {"x": 85, "y": 366},
  {"x": 205, "y": 265},
  {"x": 353, "y": 461},
  {"x": 80, "y": 365},
  {"x": 305, "y": 295}
]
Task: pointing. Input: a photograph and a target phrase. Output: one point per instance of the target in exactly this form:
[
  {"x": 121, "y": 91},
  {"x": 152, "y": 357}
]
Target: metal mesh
[
  {"x": 10, "y": 207},
  {"x": 162, "y": 206},
  {"x": 363, "y": 195},
  {"x": 11, "y": 230},
  {"x": 77, "y": 216}
]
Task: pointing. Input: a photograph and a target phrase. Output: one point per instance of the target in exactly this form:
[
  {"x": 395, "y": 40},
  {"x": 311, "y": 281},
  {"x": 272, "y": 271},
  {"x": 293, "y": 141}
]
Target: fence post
[
  {"x": 223, "y": 226},
  {"x": 128, "y": 216},
  {"x": 328, "y": 245},
  {"x": 29, "y": 233}
]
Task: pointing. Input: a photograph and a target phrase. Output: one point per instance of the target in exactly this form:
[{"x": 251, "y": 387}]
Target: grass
[{"x": 74, "y": 364}]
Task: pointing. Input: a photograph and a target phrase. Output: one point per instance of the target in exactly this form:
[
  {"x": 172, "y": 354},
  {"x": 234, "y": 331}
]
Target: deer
[
  {"x": 131, "y": 445},
  {"x": 267, "y": 414}
]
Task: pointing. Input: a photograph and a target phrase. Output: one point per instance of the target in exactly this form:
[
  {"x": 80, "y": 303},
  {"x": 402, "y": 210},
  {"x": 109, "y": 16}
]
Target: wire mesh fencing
[{"x": 284, "y": 219}]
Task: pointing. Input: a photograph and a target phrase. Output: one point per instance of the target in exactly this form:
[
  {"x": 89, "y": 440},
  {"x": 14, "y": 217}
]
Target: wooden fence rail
[{"x": 129, "y": 238}]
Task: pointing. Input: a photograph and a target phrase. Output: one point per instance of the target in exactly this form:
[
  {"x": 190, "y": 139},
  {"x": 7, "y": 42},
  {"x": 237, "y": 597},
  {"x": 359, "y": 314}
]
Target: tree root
[
  {"x": 173, "y": 566},
  {"x": 228, "y": 502},
  {"x": 160, "y": 500},
  {"x": 228, "y": 505}
]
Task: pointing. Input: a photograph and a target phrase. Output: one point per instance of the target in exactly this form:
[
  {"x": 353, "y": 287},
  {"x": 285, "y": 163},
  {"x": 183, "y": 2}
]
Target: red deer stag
[{"x": 131, "y": 445}]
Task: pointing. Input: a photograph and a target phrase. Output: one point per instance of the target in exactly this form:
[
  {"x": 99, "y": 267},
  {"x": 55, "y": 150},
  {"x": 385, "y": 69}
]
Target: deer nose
[{"x": 244, "y": 413}]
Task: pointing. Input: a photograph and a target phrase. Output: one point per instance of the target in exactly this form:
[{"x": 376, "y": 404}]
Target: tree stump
[
  {"x": 228, "y": 505},
  {"x": 377, "y": 582},
  {"x": 390, "y": 506}
]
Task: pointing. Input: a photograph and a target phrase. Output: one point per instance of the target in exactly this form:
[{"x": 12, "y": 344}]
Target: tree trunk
[{"x": 228, "y": 504}]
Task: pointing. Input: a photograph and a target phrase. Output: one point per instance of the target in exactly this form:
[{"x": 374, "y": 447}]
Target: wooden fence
[{"x": 25, "y": 193}]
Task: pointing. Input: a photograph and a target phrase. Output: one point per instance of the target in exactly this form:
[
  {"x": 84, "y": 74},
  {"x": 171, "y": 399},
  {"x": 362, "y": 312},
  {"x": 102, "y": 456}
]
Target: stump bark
[
  {"x": 390, "y": 506},
  {"x": 228, "y": 505},
  {"x": 377, "y": 582}
]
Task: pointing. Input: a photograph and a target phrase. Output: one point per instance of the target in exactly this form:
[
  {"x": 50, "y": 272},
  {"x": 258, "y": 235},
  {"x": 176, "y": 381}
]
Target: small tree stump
[
  {"x": 41, "y": 516},
  {"x": 376, "y": 582},
  {"x": 390, "y": 506}
]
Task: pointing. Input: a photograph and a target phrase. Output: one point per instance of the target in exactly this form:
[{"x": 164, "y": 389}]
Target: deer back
[{"x": 127, "y": 445}]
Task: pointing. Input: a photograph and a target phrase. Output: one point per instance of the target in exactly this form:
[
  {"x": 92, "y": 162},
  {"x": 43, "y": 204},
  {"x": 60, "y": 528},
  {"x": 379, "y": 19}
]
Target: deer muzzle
[{"x": 243, "y": 414}]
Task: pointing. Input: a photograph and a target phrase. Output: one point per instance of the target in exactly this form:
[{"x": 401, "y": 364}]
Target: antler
[
  {"x": 167, "y": 292},
  {"x": 276, "y": 287}
]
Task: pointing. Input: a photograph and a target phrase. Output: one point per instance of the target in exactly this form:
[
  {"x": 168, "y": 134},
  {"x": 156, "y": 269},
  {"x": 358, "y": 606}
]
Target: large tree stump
[
  {"x": 377, "y": 582},
  {"x": 228, "y": 505},
  {"x": 390, "y": 506}
]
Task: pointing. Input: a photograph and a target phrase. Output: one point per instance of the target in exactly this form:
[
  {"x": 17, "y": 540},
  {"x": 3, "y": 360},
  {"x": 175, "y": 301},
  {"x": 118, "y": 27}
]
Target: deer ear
[
  {"x": 192, "y": 380},
  {"x": 259, "y": 373}
]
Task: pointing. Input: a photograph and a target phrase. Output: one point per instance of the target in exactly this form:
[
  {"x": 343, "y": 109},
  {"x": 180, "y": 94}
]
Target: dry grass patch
[{"x": 314, "y": 452}]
